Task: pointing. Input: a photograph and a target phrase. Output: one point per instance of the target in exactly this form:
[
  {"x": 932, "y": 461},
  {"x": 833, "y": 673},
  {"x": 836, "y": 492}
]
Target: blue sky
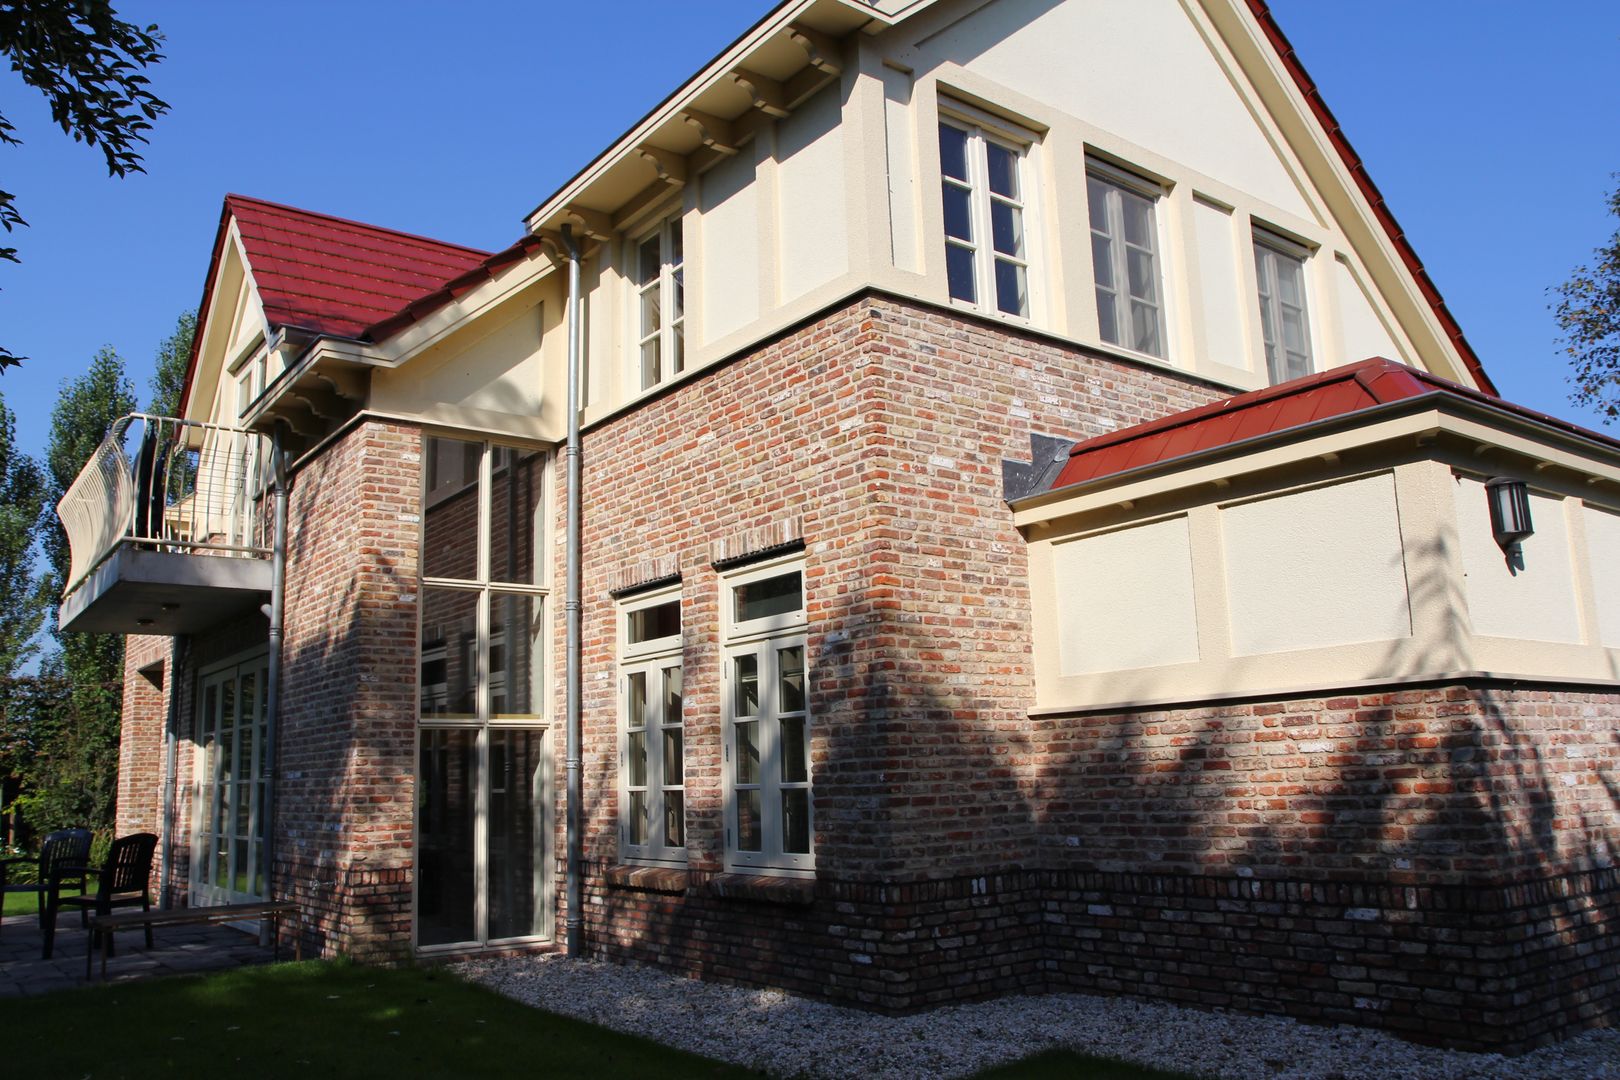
[{"x": 1489, "y": 126}]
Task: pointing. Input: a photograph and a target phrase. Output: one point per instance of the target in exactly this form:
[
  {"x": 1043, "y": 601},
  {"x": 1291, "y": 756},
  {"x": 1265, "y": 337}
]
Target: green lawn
[
  {"x": 21, "y": 903},
  {"x": 1068, "y": 1065},
  {"x": 318, "y": 1019},
  {"x": 325, "y": 1019}
]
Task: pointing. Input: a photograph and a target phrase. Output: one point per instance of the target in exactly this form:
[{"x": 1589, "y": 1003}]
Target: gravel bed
[{"x": 777, "y": 1033}]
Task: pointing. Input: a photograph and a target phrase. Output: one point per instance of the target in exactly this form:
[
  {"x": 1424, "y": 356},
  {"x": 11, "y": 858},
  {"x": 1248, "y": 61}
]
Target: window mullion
[
  {"x": 985, "y": 252},
  {"x": 1122, "y": 266},
  {"x": 652, "y": 729},
  {"x": 770, "y": 762}
]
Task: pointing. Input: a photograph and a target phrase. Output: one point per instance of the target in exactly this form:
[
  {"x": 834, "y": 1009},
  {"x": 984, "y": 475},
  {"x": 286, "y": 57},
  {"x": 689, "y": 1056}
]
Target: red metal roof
[
  {"x": 337, "y": 277},
  {"x": 1287, "y": 405}
]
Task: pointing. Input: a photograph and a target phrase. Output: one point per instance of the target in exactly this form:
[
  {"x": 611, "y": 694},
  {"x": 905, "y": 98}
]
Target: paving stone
[{"x": 187, "y": 950}]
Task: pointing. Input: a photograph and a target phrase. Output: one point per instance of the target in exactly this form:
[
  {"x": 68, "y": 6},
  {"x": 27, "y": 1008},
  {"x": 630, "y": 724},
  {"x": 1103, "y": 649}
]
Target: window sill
[
  {"x": 655, "y": 879},
  {"x": 796, "y": 891}
]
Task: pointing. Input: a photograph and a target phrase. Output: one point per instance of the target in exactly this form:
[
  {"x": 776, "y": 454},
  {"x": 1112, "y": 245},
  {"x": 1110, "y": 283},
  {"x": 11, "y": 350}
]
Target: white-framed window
[
  {"x": 483, "y": 741},
  {"x": 657, "y": 270},
  {"x": 987, "y": 220},
  {"x": 770, "y": 823},
  {"x": 1285, "y": 330},
  {"x": 652, "y": 737},
  {"x": 1125, "y": 261}
]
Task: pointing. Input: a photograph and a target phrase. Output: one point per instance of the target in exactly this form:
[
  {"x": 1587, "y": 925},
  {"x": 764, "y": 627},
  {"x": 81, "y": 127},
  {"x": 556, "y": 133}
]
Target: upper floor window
[
  {"x": 483, "y": 515},
  {"x": 252, "y": 377},
  {"x": 986, "y": 245},
  {"x": 1125, "y": 258},
  {"x": 1279, "y": 271},
  {"x": 657, "y": 269},
  {"x": 769, "y": 817},
  {"x": 652, "y": 756}
]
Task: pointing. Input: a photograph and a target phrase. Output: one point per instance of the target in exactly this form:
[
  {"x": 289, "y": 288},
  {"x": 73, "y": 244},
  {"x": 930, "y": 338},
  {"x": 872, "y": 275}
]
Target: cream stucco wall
[
  {"x": 1125, "y": 599},
  {"x": 788, "y": 207},
  {"x": 1350, "y": 558},
  {"x": 1316, "y": 567},
  {"x": 490, "y": 378},
  {"x": 810, "y": 199},
  {"x": 1603, "y": 543},
  {"x": 843, "y": 192},
  {"x": 1536, "y": 600}
]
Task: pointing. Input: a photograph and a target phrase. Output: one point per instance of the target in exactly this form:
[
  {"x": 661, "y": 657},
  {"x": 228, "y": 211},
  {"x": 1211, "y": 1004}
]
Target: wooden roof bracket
[
  {"x": 764, "y": 93},
  {"x": 716, "y": 134},
  {"x": 669, "y": 166}
]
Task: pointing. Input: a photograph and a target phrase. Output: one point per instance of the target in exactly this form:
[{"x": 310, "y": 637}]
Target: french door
[{"x": 229, "y": 783}]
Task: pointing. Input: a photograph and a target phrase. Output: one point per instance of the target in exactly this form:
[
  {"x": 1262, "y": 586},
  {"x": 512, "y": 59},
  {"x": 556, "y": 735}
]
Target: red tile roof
[
  {"x": 342, "y": 278},
  {"x": 1292, "y": 404},
  {"x": 1358, "y": 171},
  {"x": 335, "y": 277}
]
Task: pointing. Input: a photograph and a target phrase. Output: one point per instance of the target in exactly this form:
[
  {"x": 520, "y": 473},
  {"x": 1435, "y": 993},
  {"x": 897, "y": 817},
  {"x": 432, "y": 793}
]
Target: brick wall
[
  {"x": 881, "y": 426},
  {"x": 1366, "y": 858},
  {"x": 140, "y": 747},
  {"x": 348, "y": 732},
  {"x": 1322, "y": 856}
]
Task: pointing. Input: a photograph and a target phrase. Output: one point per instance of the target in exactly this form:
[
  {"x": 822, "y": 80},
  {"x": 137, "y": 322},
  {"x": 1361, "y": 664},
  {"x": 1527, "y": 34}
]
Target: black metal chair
[
  {"x": 59, "y": 865},
  {"x": 124, "y": 880}
]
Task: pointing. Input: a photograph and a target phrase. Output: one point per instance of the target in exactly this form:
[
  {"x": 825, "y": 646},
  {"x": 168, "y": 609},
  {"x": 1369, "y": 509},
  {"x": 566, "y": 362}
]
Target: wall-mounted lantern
[{"x": 1510, "y": 513}]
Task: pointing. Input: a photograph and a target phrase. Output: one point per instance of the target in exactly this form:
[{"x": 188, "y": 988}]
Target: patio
[{"x": 176, "y": 950}]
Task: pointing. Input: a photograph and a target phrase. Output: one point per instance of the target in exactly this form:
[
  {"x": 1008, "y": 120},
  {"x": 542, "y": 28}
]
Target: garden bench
[{"x": 275, "y": 911}]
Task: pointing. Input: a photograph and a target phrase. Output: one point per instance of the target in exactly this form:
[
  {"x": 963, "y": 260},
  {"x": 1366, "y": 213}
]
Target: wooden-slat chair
[
  {"x": 59, "y": 865},
  {"x": 124, "y": 880}
]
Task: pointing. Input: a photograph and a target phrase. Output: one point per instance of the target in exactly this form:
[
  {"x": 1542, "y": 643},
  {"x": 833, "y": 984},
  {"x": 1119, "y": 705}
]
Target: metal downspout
[
  {"x": 576, "y": 853},
  {"x": 272, "y": 700},
  {"x": 171, "y": 764}
]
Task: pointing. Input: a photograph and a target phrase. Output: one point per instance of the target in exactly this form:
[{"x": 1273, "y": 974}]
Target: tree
[
  {"x": 87, "y": 63},
  {"x": 1588, "y": 312},
  {"x": 173, "y": 357},
  {"x": 22, "y": 502},
  {"x": 76, "y": 737},
  {"x": 23, "y": 605}
]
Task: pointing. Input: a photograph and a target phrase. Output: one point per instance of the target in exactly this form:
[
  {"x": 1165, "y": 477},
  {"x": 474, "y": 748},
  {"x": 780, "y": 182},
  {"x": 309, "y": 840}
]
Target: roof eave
[{"x": 774, "y": 22}]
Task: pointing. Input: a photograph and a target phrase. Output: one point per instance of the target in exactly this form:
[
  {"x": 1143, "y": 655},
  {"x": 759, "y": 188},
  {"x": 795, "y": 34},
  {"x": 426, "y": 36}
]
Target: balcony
[{"x": 168, "y": 528}]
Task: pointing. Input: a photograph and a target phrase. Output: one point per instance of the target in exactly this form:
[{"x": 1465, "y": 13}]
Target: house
[{"x": 965, "y": 497}]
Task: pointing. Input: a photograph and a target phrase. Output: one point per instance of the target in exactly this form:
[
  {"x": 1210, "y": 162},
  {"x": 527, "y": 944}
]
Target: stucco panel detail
[
  {"x": 729, "y": 271},
  {"x": 1603, "y": 544},
  {"x": 1362, "y": 333},
  {"x": 814, "y": 245},
  {"x": 1219, "y": 288},
  {"x": 1535, "y": 602},
  {"x": 1317, "y": 567},
  {"x": 1125, "y": 599}
]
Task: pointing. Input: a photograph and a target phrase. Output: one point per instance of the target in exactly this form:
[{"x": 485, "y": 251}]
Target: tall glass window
[
  {"x": 483, "y": 765},
  {"x": 658, "y": 268},
  {"x": 770, "y": 818},
  {"x": 982, "y": 189},
  {"x": 1125, "y": 259},
  {"x": 1279, "y": 272},
  {"x": 652, "y": 734}
]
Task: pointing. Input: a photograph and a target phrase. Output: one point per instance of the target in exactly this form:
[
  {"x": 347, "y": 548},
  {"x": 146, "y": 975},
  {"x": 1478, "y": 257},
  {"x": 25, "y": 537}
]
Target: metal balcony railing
[{"x": 169, "y": 485}]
